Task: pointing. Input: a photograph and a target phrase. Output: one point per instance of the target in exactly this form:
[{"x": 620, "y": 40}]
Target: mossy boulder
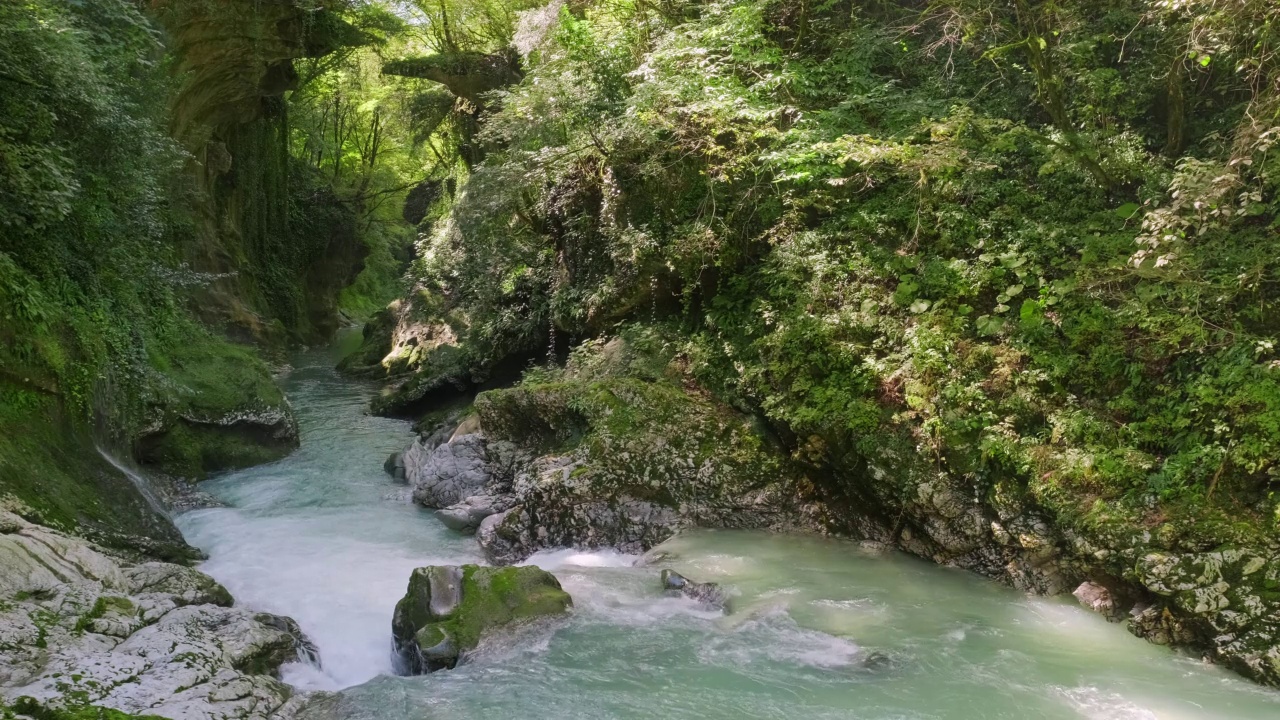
[
  {"x": 375, "y": 345},
  {"x": 447, "y": 610},
  {"x": 217, "y": 408},
  {"x": 441, "y": 374},
  {"x": 52, "y": 473},
  {"x": 629, "y": 461}
]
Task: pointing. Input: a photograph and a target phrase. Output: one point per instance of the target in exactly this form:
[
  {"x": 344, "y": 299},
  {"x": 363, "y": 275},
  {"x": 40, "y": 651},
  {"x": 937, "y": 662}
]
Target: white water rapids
[{"x": 324, "y": 536}]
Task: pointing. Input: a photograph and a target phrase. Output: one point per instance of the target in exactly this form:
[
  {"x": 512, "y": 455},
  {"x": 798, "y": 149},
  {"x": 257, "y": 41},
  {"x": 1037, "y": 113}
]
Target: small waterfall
[
  {"x": 551, "y": 345},
  {"x": 653, "y": 298},
  {"x": 141, "y": 483}
]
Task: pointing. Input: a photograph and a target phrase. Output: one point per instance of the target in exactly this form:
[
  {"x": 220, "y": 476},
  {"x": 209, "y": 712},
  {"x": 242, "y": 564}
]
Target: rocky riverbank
[
  {"x": 81, "y": 627},
  {"x": 603, "y": 460},
  {"x": 608, "y": 453}
]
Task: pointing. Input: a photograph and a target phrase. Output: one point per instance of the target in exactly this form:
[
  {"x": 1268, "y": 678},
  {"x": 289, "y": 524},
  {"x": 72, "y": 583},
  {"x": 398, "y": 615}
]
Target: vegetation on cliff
[
  {"x": 1012, "y": 251},
  {"x": 1004, "y": 259},
  {"x": 165, "y": 194},
  {"x": 1032, "y": 243}
]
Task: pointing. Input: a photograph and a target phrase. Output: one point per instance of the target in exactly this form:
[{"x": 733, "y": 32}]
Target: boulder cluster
[{"x": 502, "y": 475}]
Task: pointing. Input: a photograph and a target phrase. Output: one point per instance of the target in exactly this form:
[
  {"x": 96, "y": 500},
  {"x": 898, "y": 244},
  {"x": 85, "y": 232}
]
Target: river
[{"x": 325, "y": 537}]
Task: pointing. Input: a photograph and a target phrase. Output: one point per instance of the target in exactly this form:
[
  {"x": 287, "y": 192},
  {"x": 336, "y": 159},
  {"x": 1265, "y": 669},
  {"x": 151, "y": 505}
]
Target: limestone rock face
[
  {"x": 78, "y": 626},
  {"x": 608, "y": 458},
  {"x": 448, "y": 474},
  {"x": 447, "y": 610},
  {"x": 1225, "y": 601},
  {"x": 466, "y": 477},
  {"x": 619, "y": 463}
]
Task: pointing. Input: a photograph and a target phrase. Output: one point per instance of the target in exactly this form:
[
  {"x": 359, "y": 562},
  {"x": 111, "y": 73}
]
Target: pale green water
[{"x": 325, "y": 537}]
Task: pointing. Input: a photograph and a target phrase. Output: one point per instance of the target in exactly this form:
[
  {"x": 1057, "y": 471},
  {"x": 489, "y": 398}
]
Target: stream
[{"x": 325, "y": 537}]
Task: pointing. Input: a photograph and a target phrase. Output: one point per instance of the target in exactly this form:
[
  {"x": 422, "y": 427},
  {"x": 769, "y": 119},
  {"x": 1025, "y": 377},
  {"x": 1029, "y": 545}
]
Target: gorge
[{"x": 928, "y": 344}]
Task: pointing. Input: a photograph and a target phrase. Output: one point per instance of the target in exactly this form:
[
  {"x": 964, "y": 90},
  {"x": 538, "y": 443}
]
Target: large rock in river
[{"x": 447, "y": 610}]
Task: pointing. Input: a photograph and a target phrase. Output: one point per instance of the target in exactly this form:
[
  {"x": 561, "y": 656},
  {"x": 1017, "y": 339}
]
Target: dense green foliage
[
  {"x": 157, "y": 195},
  {"x": 81, "y": 195},
  {"x": 1028, "y": 243},
  {"x": 89, "y": 283},
  {"x": 1016, "y": 241}
]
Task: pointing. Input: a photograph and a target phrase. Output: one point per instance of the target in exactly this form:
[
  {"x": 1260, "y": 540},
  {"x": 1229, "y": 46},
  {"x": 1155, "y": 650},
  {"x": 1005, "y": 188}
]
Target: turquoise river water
[{"x": 324, "y": 536}]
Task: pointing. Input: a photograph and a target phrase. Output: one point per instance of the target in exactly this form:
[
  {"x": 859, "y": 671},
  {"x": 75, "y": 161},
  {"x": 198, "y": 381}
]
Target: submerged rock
[
  {"x": 78, "y": 626},
  {"x": 656, "y": 556},
  {"x": 394, "y": 466},
  {"x": 709, "y": 594},
  {"x": 877, "y": 661},
  {"x": 448, "y": 609}
]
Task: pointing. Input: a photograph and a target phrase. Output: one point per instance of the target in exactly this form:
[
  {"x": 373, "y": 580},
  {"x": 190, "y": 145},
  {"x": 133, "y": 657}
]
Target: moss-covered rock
[
  {"x": 447, "y": 610},
  {"x": 376, "y": 344},
  {"x": 52, "y": 473},
  {"x": 441, "y": 374},
  {"x": 217, "y": 408},
  {"x": 417, "y": 343},
  {"x": 629, "y": 460}
]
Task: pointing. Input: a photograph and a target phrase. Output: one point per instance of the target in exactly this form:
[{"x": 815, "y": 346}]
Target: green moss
[
  {"x": 220, "y": 409},
  {"x": 98, "y": 610},
  {"x": 31, "y": 708},
  {"x": 379, "y": 282},
  {"x": 375, "y": 345},
  {"x": 490, "y": 599},
  {"x": 497, "y": 596},
  {"x": 212, "y": 377},
  {"x": 443, "y": 373},
  {"x": 102, "y": 606},
  {"x": 635, "y": 432},
  {"x": 430, "y": 636},
  {"x": 51, "y": 473},
  {"x": 194, "y": 451},
  {"x": 539, "y": 415}
]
